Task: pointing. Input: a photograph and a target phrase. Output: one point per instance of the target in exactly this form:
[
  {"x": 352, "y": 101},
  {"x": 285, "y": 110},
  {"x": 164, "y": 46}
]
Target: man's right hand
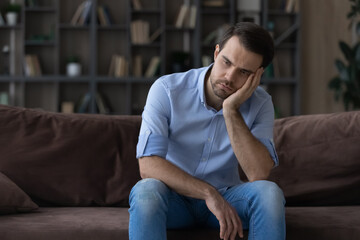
[{"x": 229, "y": 220}]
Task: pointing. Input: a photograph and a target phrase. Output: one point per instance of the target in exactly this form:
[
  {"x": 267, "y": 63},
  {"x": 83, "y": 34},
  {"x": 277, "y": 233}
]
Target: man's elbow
[
  {"x": 143, "y": 168},
  {"x": 258, "y": 177}
]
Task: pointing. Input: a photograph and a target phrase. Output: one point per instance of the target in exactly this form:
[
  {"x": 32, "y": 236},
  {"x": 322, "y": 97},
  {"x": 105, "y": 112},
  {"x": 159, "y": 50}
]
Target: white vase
[
  {"x": 11, "y": 18},
  {"x": 73, "y": 69}
]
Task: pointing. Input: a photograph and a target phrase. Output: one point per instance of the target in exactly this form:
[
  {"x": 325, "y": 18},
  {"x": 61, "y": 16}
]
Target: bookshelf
[{"x": 47, "y": 29}]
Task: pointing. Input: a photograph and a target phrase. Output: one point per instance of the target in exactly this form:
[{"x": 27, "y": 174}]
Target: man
[{"x": 197, "y": 127}]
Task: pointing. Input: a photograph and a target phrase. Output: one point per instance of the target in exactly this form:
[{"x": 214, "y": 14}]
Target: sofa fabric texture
[{"x": 74, "y": 172}]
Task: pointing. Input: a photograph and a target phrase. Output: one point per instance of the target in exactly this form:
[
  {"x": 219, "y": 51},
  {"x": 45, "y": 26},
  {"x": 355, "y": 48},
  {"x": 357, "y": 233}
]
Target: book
[
  {"x": 4, "y": 98},
  {"x": 118, "y": 66},
  {"x": 137, "y": 69},
  {"x": 76, "y": 17},
  {"x": 137, "y": 4},
  {"x": 83, "y": 105},
  {"x": 140, "y": 32},
  {"x": 85, "y": 15},
  {"x": 32, "y": 65},
  {"x": 213, "y": 3},
  {"x": 290, "y": 6},
  {"x": 155, "y": 35},
  {"x": 101, "y": 104},
  {"x": 192, "y": 17},
  {"x": 179, "y": 23},
  {"x": 101, "y": 16},
  {"x": 249, "y": 5},
  {"x": 153, "y": 67},
  {"x": 67, "y": 107}
]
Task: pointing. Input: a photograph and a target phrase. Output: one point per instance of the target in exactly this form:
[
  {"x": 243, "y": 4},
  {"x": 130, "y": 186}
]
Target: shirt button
[
  {"x": 203, "y": 159},
  {"x": 209, "y": 139},
  {"x": 148, "y": 132}
]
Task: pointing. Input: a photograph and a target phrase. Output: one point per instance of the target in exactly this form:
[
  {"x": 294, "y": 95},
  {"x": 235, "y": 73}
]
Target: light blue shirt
[{"x": 179, "y": 126}]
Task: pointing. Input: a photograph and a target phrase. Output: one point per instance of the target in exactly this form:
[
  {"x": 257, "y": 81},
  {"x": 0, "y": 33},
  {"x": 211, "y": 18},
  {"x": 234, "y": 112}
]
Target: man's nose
[{"x": 230, "y": 75}]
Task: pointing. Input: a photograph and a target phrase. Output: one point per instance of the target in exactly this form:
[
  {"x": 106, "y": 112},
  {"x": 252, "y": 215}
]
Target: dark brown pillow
[
  {"x": 70, "y": 159},
  {"x": 12, "y": 198},
  {"x": 319, "y": 159}
]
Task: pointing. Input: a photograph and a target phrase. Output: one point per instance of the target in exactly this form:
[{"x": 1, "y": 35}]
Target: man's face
[{"x": 232, "y": 67}]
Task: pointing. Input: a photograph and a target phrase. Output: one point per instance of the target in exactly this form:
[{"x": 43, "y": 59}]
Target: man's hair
[{"x": 254, "y": 38}]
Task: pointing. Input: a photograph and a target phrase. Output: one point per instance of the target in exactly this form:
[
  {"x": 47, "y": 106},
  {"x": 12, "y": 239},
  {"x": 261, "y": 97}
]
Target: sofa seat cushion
[
  {"x": 331, "y": 223},
  {"x": 12, "y": 198},
  {"x": 90, "y": 223}
]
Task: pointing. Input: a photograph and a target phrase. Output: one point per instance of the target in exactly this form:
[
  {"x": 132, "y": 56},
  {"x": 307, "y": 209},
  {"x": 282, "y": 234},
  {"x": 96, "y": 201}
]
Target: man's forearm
[
  {"x": 253, "y": 156},
  {"x": 177, "y": 179}
]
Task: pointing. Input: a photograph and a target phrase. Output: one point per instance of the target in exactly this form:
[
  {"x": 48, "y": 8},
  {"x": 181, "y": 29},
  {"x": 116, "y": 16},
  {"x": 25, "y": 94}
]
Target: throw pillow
[{"x": 12, "y": 198}]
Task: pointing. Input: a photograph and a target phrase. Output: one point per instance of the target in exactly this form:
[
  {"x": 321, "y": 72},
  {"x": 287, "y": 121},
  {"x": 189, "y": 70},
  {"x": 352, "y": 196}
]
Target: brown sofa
[{"x": 68, "y": 176}]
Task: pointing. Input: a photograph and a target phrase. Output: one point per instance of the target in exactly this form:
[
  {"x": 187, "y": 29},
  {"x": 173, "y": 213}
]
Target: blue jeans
[{"x": 154, "y": 207}]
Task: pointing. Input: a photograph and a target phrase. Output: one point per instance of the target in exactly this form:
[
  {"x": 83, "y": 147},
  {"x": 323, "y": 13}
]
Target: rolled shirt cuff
[{"x": 150, "y": 144}]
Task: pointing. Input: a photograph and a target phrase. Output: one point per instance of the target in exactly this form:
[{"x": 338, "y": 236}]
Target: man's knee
[
  {"x": 269, "y": 196},
  {"x": 149, "y": 192}
]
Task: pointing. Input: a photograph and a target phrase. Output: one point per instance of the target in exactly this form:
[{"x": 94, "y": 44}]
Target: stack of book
[{"x": 140, "y": 32}]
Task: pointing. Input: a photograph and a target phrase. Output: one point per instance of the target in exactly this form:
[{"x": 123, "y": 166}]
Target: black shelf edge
[
  {"x": 9, "y": 27},
  {"x": 113, "y": 27},
  {"x": 278, "y": 80},
  {"x": 68, "y": 26},
  {"x": 147, "y": 11},
  {"x": 49, "y": 43},
  {"x": 40, "y": 9}
]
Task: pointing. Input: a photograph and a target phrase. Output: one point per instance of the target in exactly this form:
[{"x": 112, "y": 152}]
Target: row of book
[
  {"x": 83, "y": 12},
  {"x": 140, "y": 32},
  {"x": 83, "y": 106},
  {"x": 119, "y": 66},
  {"x": 186, "y": 17}
]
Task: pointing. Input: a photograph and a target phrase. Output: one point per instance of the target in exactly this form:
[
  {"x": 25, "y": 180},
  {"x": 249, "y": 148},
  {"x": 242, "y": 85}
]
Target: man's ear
[{"x": 216, "y": 52}]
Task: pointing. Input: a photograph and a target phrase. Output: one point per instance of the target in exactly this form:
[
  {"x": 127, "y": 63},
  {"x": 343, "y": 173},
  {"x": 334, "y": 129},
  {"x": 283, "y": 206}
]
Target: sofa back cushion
[
  {"x": 69, "y": 159},
  {"x": 319, "y": 158}
]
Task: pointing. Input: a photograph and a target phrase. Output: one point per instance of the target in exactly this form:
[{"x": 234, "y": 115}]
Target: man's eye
[
  {"x": 244, "y": 73},
  {"x": 227, "y": 63}
]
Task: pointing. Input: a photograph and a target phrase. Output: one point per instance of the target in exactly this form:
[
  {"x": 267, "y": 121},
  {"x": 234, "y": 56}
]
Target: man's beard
[{"x": 220, "y": 93}]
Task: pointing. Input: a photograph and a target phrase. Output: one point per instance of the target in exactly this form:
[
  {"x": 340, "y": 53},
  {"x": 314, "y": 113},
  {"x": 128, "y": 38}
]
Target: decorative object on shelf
[
  {"x": 12, "y": 10},
  {"x": 347, "y": 83},
  {"x": 73, "y": 66}
]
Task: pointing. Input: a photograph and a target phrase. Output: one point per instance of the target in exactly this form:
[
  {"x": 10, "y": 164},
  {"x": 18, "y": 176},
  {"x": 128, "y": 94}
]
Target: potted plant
[
  {"x": 12, "y": 10},
  {"x": 347, "y": 83},
  {"x": 73, "y": 66}
]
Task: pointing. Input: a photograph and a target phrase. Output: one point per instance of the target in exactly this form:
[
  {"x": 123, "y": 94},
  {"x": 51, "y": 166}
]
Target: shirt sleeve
[
  {"x": 263, "y": 128},
  {"x": 153, "y": 136}
]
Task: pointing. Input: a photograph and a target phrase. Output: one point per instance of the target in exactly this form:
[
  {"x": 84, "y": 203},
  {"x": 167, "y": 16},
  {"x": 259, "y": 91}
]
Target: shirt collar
[{"x": 201, "y": 83}]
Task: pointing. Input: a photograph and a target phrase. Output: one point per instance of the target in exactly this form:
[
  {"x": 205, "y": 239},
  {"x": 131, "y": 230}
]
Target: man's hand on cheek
[{"x": 235, "y": 100}]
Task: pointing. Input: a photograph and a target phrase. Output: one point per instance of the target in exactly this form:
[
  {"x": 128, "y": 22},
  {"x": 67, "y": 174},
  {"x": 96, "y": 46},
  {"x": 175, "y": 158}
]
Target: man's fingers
[{"x": 222, "y": 229}]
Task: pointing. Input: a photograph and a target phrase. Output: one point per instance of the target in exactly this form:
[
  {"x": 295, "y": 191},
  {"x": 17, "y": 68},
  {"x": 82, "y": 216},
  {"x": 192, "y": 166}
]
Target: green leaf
[
  {"x": 347, "y": 51},
  {"x": 344, "y": 74},
  {"x": 335, "y": 83}
]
